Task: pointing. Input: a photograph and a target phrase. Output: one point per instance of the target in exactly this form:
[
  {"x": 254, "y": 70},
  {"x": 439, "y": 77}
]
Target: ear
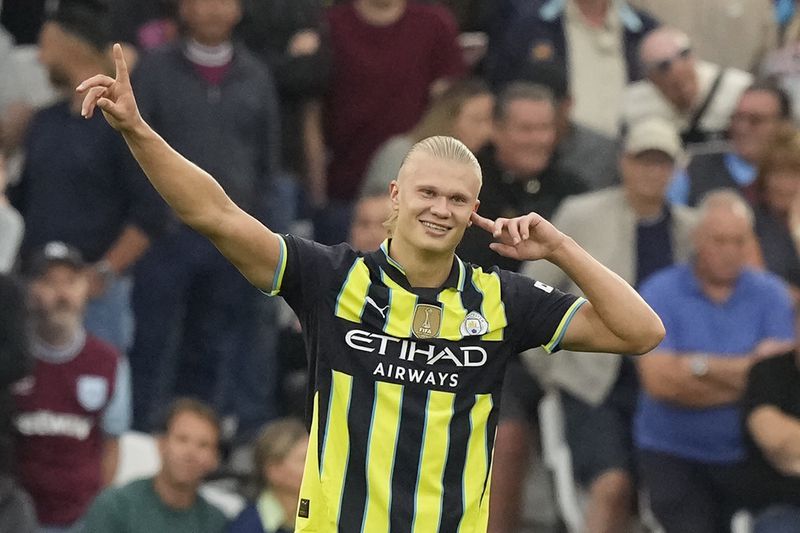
[
  {"x": 474, "y": 210},
  {"x": 394, "y": 191}
]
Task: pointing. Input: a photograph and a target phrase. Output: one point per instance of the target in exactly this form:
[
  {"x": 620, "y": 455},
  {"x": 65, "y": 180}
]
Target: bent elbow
[{"x": 649, "y": 339}]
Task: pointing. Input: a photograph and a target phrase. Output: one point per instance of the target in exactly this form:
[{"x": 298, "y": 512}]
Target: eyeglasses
[{"x": 663, "y": 66}]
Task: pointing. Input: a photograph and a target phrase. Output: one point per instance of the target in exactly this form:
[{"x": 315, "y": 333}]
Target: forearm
[
  {"x": 314, "y": 147},
  {"x": 778, "y": 436},
  {"x": 197, "y": 199},
  {"x": 615, "y": 302},
  {"x": 127, "y": 249},
  {"x": 110, "y": 460}
]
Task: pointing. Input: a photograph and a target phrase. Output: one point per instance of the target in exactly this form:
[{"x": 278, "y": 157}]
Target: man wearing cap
[
  {"x": 75, "y": 404},
  {"x": 637, "y": 233},
  {"x": 79, "y": 184}
]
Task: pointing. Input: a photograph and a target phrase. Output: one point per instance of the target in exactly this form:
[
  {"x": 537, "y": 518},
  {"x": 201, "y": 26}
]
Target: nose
[{"x": 439, "y": 207}]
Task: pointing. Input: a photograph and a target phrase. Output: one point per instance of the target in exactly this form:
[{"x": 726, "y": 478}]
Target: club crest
[
  {"x": 474, "y": 324},
  {"x": 92, "y": 392},
  {"x": 427, "y": 321}
]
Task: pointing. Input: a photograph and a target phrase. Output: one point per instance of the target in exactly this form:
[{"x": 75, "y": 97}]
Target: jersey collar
[{"x": 455, "y": 280}]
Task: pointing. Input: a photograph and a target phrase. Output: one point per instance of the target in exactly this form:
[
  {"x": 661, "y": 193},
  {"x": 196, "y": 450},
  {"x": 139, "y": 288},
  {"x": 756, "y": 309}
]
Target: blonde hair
[{"x": 440, "y": 147}]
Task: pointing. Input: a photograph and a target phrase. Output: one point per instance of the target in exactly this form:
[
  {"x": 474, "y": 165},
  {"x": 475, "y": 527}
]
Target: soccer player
[{"x": 407, "y": 344}]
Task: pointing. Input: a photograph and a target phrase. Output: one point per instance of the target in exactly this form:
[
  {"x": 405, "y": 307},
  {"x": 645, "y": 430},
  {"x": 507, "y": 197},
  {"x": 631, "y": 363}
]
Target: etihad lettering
[
  {"x": 50, "y": 424},
  {"x": 415, "y": 375},
  {"x": 409, "y": 350}
]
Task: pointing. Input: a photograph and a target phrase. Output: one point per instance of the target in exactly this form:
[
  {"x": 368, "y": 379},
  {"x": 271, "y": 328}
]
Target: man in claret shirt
[
  {"x": 71, "y": 410},
  {"x": 407, "y": 344}
]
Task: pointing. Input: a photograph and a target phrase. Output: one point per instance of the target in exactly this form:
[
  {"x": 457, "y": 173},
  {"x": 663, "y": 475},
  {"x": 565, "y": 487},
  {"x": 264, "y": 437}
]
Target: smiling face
[{"x": 433, "y": 199}]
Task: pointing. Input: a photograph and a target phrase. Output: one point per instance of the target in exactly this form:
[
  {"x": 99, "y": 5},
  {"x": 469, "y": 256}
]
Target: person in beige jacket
[{"x": 635, "y": 232}]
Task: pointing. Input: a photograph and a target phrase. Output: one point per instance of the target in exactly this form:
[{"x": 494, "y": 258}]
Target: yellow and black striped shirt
[{"x": 405, "y": 385}]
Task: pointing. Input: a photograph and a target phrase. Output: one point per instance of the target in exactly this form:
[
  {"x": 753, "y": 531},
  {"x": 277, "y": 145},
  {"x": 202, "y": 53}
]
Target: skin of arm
[
  {"x": 778, "y": 436},
  {"x": 110, "y": 459},
  {"x": 615, "y": 319},
  {"x": 197, "y": 199}
]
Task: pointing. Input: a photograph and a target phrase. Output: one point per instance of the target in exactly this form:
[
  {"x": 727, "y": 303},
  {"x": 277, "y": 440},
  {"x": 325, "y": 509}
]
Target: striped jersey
[{"x": 404, "y": 384}]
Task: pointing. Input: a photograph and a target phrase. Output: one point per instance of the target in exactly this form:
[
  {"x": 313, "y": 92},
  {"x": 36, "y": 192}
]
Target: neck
[
  {"x": 56, "y": 335},
  {"x": 717, "y": 291},
  {"x": 380, "y": 14},
  {"x": 423, "y": 269},
  {"x": 288, "y": 503},
  {"x": 174, "y": 497},
  {"x": 645, "y": 208},
  {"x": 594, "y": 10}
]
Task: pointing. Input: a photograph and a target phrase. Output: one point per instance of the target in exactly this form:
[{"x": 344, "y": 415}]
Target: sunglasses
[{"x": 663, "y": 66}]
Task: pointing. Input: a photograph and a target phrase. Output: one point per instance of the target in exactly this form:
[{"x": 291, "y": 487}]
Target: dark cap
[
  {"x": 87, "y": 19},
  {"x": 53, "y": 253}
]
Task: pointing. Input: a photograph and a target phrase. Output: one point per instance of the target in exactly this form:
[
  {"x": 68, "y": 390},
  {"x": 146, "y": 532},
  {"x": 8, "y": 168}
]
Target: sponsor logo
[
  {"x": 409, "y": 350},
  {"x": 50, "y": 424},
  {"x": 427, "y": 321},
  {"x": 24, "y": 386},
  {"x": 381, "y": 310},
  {"x": 92, "y": 392},
  {"x": 474, "y": 324}
]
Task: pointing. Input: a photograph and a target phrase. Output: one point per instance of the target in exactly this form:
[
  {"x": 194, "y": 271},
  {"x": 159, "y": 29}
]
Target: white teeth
[{"x": 433, "y": 226}]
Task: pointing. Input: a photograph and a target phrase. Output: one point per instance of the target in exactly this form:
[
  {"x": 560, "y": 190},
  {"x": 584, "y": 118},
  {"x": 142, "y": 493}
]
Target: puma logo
[{"x": 381, "y": 310}]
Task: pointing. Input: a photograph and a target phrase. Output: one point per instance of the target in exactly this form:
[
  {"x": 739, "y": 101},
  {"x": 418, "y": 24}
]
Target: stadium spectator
[
  {"x": 463, "y": 111},
  {"x": 280, "y": 454},
  {"x": 730, "y": 34},
  {"x": 216, "y": 102},
  {"x": 698, "y": 97},
  {"x": 591, "y": 40},
  {"x": 75, "y": 404},
  {"x": 16, "y": 508},
  {"x": 721, "y": 318},
  {"x": 771, "y": 406},
  {"x": 582, "y": 151},
  {"x": 170, "y": 501},
  {"x": 520, "y": 174},
  {"x": 11, "y": 224},
  {"x": 635, "y": 232},
  {"x": 761, "y": 110},
  {"x": 78, "y": 184},
  {"x": 778, "y": 184},
  {"x": 368, "y": 230},
  {"x": 389, "y": 57}
]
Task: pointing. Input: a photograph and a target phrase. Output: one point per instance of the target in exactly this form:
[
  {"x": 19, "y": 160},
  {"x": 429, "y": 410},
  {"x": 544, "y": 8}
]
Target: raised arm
[
  {"x": 615, "y": 319},
  {"x": 197, "y": 199}
]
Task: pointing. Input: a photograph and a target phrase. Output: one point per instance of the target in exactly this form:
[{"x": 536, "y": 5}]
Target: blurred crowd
[{"x": 660, "y": 135}]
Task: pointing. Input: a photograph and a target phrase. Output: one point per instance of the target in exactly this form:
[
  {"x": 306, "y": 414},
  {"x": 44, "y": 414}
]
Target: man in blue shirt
[{"x": 720, "y": 317}]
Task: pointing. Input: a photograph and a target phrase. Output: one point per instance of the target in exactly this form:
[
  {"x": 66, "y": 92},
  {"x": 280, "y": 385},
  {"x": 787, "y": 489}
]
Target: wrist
[
  {"x": 563, "y": 252},
  {"x": 699, "y": 365},
  {"x": 105, "y": 270}
]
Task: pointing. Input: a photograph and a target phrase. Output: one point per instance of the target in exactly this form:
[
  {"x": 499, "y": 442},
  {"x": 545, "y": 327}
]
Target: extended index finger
[
  {"x": 483, "y": 223},
  {"x": 120, "y": 65}
]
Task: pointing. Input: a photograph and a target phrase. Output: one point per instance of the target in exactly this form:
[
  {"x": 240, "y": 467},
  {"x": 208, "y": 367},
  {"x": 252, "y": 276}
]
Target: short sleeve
[
  {"x": 780, "y": 318},
  {"x": 539, "y": 314},
  {"x": 117, "y": 416},
  {"x": 766, "y": 384},
  {"x": 306, "y": 269}
]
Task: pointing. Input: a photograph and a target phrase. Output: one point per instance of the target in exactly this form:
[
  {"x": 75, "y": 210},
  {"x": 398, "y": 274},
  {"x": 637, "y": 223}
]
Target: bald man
[{"x": 696, "y": 96}]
